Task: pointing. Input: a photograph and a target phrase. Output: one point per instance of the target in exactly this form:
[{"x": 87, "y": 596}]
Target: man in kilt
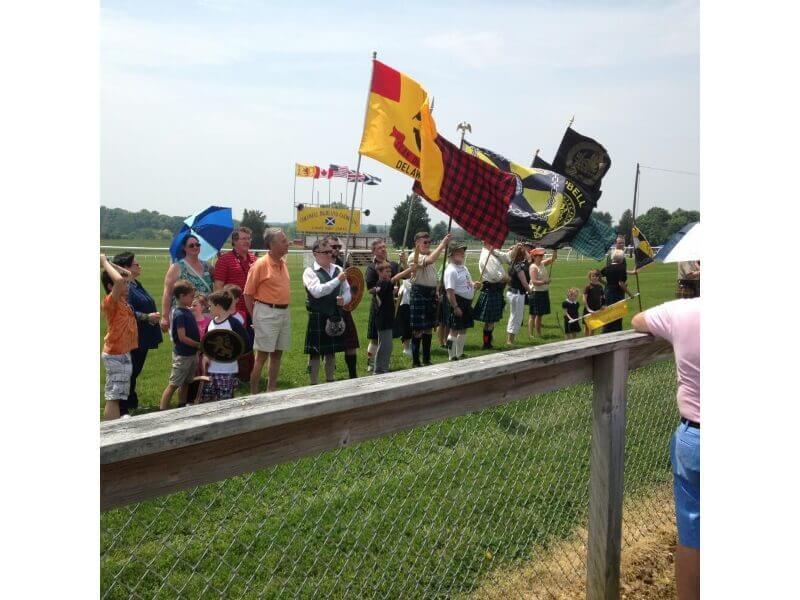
[
  {"x": 326, "y": 291},
  {"x": 491, "y": 303},
  {"x": 350, "y": 336},
  {"x": 423, "y": 295},
  {"x": 379, "y": 255},
  {"x": 460, "y": 290}
]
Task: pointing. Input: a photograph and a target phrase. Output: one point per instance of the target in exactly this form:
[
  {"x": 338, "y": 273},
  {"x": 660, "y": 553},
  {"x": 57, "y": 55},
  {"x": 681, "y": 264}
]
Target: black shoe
[
  {"x": 462, "y": 357},
  {"x": 454, "y": 358},
  {"x": 415, "y": 364},
  {"x": 426, "y": 364},
  {"x": 487, "y": 347}
]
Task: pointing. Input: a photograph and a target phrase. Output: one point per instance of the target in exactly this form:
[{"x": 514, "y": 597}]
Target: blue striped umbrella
[{"x": 211, "y": 227}]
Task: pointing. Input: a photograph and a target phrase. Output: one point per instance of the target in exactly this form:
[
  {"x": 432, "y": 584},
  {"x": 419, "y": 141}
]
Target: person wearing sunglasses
[
  {"x": 327, "y": 291},
  {"x": 423, "y": 295},
  {"x": 350, "y": 335},
  {"x": 190, "y": 268}
]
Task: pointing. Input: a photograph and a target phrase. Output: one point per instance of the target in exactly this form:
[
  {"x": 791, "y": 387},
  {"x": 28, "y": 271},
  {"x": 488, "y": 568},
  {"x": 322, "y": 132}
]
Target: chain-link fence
[{"x": 490, "y": 504}]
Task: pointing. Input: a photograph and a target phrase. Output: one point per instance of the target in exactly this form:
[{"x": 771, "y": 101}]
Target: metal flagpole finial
[
  {"x": 463, "y": 127},
  {"x": 571, "y": 121},
  {"x": 535, "y": 154},
  {"x": 374, "y": 55}
]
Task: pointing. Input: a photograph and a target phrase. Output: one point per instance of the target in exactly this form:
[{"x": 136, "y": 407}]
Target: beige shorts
[
  {"x": 184, "y": 369},
  {"x": 272, "y": 328}
]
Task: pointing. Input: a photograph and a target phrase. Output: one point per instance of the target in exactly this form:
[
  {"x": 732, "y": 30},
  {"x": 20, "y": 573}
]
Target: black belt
[
  {"x": 273, "y": 305},
  {"x": 686, "y": 421}
]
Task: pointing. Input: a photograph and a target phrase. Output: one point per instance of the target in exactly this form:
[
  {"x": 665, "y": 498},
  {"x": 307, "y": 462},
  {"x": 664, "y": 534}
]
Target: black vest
[{"x": 327, "y": 304}]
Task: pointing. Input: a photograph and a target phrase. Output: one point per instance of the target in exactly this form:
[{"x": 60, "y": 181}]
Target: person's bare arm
[
  {"x": 451, "y": 298},
  {"x": 404, "y": 274},
  {"x": 218, "y": 285},
  {"x": 185, "y": 339},
  {"x": 119, "y": 276},
  {"x": 249, "y": 303},
  {"x": 431, "y": 258},
  {"x": 551, "y": 259},
  {"x": 166, "y": 299},
  {"x": 639, "y": 323}
]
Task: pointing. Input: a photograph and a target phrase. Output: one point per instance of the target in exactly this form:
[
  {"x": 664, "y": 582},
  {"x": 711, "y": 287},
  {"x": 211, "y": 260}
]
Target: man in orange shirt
[
  {"x": 122, "y": 336},
  {"x": 266, "y": 295}
]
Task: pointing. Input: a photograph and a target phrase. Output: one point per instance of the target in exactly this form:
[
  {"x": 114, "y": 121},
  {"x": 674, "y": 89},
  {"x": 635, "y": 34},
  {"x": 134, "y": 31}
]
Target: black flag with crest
[{"x": 583, "y": 160}]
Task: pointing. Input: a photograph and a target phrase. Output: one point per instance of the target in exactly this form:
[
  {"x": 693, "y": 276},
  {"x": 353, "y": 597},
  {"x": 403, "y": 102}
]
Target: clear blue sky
[{"x": 213, "y": 101}]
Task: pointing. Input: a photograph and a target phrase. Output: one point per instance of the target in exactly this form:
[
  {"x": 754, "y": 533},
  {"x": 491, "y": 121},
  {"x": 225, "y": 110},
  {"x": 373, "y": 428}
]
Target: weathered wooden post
[{"x": 607, "y": 466}]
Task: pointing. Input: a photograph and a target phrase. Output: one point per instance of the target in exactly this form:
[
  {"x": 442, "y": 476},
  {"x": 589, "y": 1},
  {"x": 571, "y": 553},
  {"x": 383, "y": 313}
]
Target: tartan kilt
[
  {"x": 423, "y": 307},
  {"x": 372, "y": 330},
  {"x": 491, "y": 303},
  {"x": 540, "y": 303},
  {"x": 443, "y": 312},
  {"x": 319, "y": 342},
  {"x": 350, "y": 335},
  {"x": 402, "y": 323},
  {"x": 465, "y": 321},
  {"x": 688, "y": 288}
]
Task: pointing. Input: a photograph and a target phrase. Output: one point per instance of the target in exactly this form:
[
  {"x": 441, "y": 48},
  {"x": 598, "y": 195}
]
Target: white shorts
[{"x": 272, "y": 328}]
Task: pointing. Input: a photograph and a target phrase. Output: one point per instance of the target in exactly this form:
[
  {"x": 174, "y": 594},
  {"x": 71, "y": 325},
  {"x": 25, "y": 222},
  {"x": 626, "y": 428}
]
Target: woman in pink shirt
[{"x": 678, "y": 322}]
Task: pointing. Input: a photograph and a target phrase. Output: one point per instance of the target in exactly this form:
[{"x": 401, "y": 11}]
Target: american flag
[
  {"x": 337, "y": 171},
  {"x": 351, "y": 176}
]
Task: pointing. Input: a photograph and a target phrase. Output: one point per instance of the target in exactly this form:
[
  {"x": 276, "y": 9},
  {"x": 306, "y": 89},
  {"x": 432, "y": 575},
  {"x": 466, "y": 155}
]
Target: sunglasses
[
  {"x": 323, "y": 252},
  {"x": 192, "y": 245},
  {"x": 425, "y": 242},
  {"x": 336, "y": 246}
]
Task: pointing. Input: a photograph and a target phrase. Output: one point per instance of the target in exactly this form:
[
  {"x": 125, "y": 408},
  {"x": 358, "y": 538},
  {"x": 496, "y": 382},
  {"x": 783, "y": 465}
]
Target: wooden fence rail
[{"x": 161, "y": 453}]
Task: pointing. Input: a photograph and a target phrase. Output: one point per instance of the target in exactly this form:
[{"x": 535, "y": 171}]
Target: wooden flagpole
[
  {"x": 635, "y": 198},
  {"x": 358, "y": 168}
]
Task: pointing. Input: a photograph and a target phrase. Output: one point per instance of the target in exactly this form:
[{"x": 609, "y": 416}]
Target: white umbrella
[{"x": 683, "y": 246}]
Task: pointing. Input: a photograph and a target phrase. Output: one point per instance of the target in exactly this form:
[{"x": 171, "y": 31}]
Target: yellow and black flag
[
  {"x": 642, "y": 250},
  {"x": 547, "y": 207}
]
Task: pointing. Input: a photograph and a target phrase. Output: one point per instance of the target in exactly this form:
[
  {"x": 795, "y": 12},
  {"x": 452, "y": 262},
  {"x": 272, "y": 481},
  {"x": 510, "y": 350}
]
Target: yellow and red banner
[
  {"x": 606, "y": 315},
  {"x": 393, "y": 127},
  {"x": 306, "y": 171},
  {"x": 321, "y": 219}
]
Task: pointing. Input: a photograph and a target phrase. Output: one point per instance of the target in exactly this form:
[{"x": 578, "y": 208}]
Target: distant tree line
[
  {"x": 657, "y": 224},
  {"x": 121, "y": 224}
]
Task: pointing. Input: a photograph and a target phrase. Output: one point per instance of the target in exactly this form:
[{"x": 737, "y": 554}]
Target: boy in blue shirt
[{"x": 186, "y": 343}]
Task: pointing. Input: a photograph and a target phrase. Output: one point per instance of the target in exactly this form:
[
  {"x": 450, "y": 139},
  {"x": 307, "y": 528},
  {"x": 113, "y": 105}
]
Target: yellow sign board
[{"x": 322, "y": 219}]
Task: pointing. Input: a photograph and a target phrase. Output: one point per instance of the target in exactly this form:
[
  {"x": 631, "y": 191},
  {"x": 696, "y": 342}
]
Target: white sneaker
[
  {"x": 369, "y": 368},
  {"x": 126, "y": 416},
  {"x": 407, "y": 352}
]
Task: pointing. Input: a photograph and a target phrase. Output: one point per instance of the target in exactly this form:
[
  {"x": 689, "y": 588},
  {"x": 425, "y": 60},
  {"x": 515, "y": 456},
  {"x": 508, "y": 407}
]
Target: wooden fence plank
[{"x": 606, "y": 475}]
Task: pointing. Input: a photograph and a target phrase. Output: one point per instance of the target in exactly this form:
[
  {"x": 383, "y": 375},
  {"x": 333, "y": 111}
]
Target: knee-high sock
[
  {"x": 313, "y": 366},
  {"x": 462, "y": 339},
  {"x": 426, "y": 347},
  {"x": 452, "y": 346},
  {"x": 487, "y": 337},
  {"x": 415, "y": 347},
  {"x": 351, "y": 360},
  {"x": 330, "y": 367}
]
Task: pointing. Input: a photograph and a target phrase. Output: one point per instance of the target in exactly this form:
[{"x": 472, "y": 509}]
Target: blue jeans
[{"x": 685, "y": 457}]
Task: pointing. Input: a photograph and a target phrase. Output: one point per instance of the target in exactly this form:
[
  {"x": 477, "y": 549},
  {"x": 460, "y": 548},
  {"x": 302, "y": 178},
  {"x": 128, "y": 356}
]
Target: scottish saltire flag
[
  {"x": 372, "y": 180},
  {"x": 642, "y": 251}
]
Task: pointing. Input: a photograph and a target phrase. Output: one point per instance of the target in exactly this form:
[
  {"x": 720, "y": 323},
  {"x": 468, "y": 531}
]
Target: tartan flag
[
  {"x": 547, "y": 208},
  {"x": 583, "y": 160},
  {"x": 476, "y": 194},
  {"x": 606, "y": 315},
  {"x": 643, "y": 252},
  {"x": 306, "y": 170},
  {"x": 594, "y": 238}
]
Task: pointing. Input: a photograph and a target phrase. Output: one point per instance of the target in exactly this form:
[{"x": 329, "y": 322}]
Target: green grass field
[
  {"x": 657, "y": 282},
  {"x": 424, "y": 513}
]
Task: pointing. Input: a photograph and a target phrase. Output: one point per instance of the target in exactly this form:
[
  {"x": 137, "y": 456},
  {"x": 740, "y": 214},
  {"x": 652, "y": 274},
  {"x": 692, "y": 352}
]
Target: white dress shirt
[
  {"x": 495, "y": 272},
  {"x": 318, "y": 289}
]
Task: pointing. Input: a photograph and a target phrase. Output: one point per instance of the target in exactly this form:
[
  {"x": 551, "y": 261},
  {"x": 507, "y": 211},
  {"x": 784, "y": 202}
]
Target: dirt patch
[{"x": 647, "y": 569}]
